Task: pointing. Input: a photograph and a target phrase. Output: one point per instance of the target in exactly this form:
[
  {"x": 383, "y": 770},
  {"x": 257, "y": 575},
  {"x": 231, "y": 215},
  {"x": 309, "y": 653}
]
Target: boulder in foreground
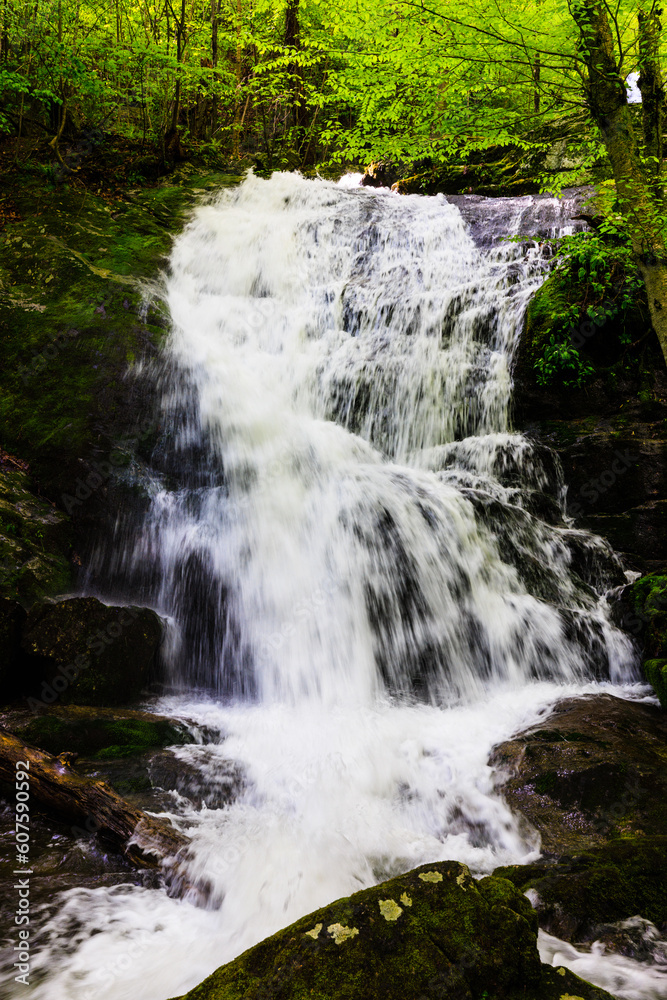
[{"x": 433, "y": 933}]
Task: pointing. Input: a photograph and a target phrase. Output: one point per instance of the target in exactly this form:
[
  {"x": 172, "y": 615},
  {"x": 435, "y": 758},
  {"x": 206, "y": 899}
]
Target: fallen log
[{"x": 90, "y": 806}]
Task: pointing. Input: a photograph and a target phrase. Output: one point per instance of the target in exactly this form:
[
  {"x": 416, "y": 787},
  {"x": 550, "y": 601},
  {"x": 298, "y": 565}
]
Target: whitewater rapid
[{"x": 369, "y": 577}]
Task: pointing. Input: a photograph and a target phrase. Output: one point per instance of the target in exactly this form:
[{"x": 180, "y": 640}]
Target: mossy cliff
[
  {"x": 74, "y": 315},
  {"x": 591, "y": 383},
  {"x": 433, "y": 933}
]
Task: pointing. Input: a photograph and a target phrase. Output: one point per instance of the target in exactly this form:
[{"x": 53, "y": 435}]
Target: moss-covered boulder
[
  {"x": 647, "y": 598},
  {"x": 84, "y": 652},
  {"x": 576, "y": 895},
  {"x": 96, "y": 733},
  {"x": 592, "y": 772},
  {"x": 433, "y": 933}
]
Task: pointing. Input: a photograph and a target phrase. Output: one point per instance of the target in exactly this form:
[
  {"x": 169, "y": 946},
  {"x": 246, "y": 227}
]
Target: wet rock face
[
  {"x": 83, "y": 652},
  {"x": 594, "y": 770},
  {"x": 34, "y": 539},
  {"x": 433, "y": 933},
  {"x": 617, "y": 485}
]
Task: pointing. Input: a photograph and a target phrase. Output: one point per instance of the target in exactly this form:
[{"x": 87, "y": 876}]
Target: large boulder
[
  {"x": 433, "y": 933},
  {"x": 84, "y": 652},
  {"x": 593, "y": 771}
]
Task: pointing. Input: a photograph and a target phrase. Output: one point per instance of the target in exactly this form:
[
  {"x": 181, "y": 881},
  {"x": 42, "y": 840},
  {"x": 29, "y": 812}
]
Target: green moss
[
  {"x": 656, "y": 674},
  {"x": 624, "y": 878},
  {"x": 34, "y": 540},
  {"x": 544, "y": 315},
  {"x": 95, "y": 736},
  {"x": 648, "y": 597}
]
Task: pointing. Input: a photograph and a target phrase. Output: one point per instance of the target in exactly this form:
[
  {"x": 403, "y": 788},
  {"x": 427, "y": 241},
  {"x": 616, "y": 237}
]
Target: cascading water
[
  {"x": 369, "y": 576},
  {"x": 340, "y": 363}
]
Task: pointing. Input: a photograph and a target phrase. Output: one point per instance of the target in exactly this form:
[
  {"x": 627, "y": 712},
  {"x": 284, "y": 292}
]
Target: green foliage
[
  {"x": 351, "y": 83},
  {"x": 561, "y": 360},
  {"x": 598, "y": 280}
]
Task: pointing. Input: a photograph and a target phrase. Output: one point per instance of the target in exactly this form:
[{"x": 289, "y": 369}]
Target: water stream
[{"x": 368, "y": 574}]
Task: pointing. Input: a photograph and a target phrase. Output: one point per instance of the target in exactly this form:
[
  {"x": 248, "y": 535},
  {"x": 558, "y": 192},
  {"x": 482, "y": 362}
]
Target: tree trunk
[
  {"x": 292, "y": 30},
  {"x": 651, "y": 84},
  {"x": 214, "y": 63},
  {"x": 293, "y": 41},
  {"x": 90, "y": 806},
  {"x": 655, "y": 279},
  {"x": 608, "y": 102},
  {"x": 180, "y": 45}
]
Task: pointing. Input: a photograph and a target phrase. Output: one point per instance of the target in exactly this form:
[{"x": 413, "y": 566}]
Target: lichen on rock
[{"x": 389, "y": 909}]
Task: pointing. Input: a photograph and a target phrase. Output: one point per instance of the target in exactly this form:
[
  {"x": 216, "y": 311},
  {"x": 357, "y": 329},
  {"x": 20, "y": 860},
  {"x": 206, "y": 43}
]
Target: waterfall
[
  {"x": 370, "y": 576},
  {"x": 355, "y": 516}
]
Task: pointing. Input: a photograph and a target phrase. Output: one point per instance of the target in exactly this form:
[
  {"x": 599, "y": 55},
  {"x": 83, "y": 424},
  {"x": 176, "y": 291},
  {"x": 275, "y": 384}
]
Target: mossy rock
[
  {"x": 648, "y": 598},
  {"x": 433, "y": 933},
  {"x": 656, "y": 675},
  {"x": 34, "y": 540},
  {"x": 84, "y": 652},
  {"x": 593, "y": 772},
  {"x": 576, "y": 895},
  {"x": 543, "y": 316},
  {"x": 102, "y": 734}
]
